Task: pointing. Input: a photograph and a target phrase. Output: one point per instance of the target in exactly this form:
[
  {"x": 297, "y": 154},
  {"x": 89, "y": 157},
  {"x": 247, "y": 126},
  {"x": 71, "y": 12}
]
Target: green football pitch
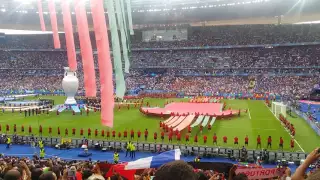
[{"x": 257, "y": 121}]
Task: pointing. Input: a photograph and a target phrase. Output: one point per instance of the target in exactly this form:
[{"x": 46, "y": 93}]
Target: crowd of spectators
[{"x": 197, "y": 36}]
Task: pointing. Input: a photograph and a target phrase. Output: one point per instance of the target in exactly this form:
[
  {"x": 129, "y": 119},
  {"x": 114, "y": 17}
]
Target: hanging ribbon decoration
[
  {"x": 104, "y": 60},
  {"x": 116, "y": 51},
  {"x": 42, "y": 24},
  {"x": 54, "y": 25},
  {"x": 86, "y": 49},
  {"x": 68, "y": 29}
]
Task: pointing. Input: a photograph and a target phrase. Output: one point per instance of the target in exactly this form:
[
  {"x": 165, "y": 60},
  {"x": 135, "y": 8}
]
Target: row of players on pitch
[{"x": 172, "y": 134}]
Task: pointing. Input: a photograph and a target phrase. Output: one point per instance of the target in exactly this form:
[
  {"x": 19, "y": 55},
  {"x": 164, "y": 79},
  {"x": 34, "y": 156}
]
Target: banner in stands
[{"x": 261, "y": 173}]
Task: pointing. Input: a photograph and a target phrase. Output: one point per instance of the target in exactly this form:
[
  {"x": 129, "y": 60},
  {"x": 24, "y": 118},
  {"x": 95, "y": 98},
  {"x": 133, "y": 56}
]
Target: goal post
[{"x": 279, "y": 108}]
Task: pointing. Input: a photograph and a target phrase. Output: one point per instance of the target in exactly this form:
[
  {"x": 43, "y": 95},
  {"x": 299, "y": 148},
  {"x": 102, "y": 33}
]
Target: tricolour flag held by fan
[{"x": 127, "y": 169}]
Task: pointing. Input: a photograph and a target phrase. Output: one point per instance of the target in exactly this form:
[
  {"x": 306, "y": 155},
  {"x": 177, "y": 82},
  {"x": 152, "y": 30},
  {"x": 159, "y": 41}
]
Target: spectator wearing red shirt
[
  {"x": 108, "y": 134},
  {"x": 30, "y": 130},
  {"x": 139, "y": 134},
  {"x": 155, "y": 136},
  {"x": 259, "y": 141},
  {"x": 292, "y": 144},
  {"x": 81, "y": 132},
  {"x": 195, "y": 139},
  {"x": 162, "y": 136},
  {"x": 269, "y": 142},
  {"x": 131, "y": 134},
  {"x": 73, "y": 131},
  {"x": 96, "y": 132},
  {"x": 170, "y": 136},
  {"x": 89, "y": 132},
  {"x": 225, "y": 139},
  {"x": 125, "y": 134},
  {"x": 215, "y": 139},
  {"x": 236, "y": 140},
  {"x": 281, "y": 143},
  {"x": 146, "y": 134},
  {"x": 102, "y": 133},
  {"x": 204, "y": 139},
  {"x": 114, "y": 134},
  {"x": 179, "y": 137},
  {"x": 246, "y": 141}
]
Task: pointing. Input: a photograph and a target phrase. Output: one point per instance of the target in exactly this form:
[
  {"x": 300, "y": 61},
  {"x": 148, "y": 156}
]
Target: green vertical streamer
[
  {"x": 130, "y": 16},
  {"x": 120, "y": 83},
  {"x": 123, "y": 37}
]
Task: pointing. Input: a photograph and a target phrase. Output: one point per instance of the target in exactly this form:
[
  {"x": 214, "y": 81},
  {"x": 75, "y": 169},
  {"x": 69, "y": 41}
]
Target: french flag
[{"x": 127, "y": 169}]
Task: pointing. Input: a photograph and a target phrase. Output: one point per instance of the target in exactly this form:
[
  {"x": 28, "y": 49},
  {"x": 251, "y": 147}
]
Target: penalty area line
[{"x": 285, "y": 129}]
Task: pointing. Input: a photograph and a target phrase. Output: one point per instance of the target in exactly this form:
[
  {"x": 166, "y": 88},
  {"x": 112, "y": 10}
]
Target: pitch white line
[
  {"x": 285, "y": 129},
  {"x": 249, "y": 113}
]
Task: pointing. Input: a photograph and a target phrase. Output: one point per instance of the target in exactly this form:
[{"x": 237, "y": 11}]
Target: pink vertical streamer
[
  {"x": 104, "y": 60},
  {"x": 67, "y": 22},
  {"x": 42, "y": 24},
  {"x": 54, "y": 24},
  {"x": 86, "y": 49}
]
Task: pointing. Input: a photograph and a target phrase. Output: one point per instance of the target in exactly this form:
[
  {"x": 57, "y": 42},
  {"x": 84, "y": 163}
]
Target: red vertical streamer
[
  {"x": 43, "y": 26},
  {"x": 54, "y": 24},
  {"x": 67, "y": 22},
  {"x": 86, "y": 49},
  {"x": 104, "y": 60}
]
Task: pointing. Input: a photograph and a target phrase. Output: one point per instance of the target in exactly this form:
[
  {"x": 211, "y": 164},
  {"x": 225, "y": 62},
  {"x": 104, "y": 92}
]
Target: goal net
[{"x": 279, "y": 108}]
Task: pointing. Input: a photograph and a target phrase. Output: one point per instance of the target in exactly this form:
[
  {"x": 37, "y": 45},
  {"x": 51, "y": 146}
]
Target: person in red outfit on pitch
[
  {"x": 246, "y": 141},
  {"x": 209, "y": 127},
  {"x": 108, "y": 134},
  {"x": 30, "y": 130},
  {"x": 225, "y": 139},
  {"x": 236, "y": 140},
  {"x": 215, "y": 139},
  {"x": 189, "y": 129},
  {"x": 292, "y": 144},
  {"x": 162, "y": 136},
  {"x": 113, "y": 134},
  {"x": 102, "y": 133},
  {"x": 40, "y": 130},
  {"x": 269, "y": 142},
  {"x": 201, "y": 127},
  {"x": 7, "y": 128},
  {"x": 89, "y": 132},
  {"x": 281, "y": 143},
  {"x": 119, "y": 135},
  {"x": 125, "y": 134},
  {"x": 170, "y": 136},
  {"x": 155, "y": 136},
  {"x": 66, "y": 132},
  {"x": 22, "y": 129},
  {"x": 81, "y": 132},
  {"x": 160, "y": 124},
  {"x": 179, "y": 137},
  {"x": 131, "y": 134},
  {"x": 146, "y": 134},
  {"x": 205, "y": 139},
  {"x": 171, "y": 129},
  {"x": 195, "y": 139},
  {"x": 139, "y": 134},
  {"x": 50, "y": 130},
  {"x": 187, "y": 138},
  {"x": 73, "y": 131},
  {"x": 14, "y": 128},
  {"x": 96, "y": 133},
  {"x": 167, "y": 128},
  {"x": 258, "y": 141}
]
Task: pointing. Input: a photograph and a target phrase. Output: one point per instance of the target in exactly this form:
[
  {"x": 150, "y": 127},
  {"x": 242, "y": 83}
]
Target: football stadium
[{"x": 150, "y": 89}]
